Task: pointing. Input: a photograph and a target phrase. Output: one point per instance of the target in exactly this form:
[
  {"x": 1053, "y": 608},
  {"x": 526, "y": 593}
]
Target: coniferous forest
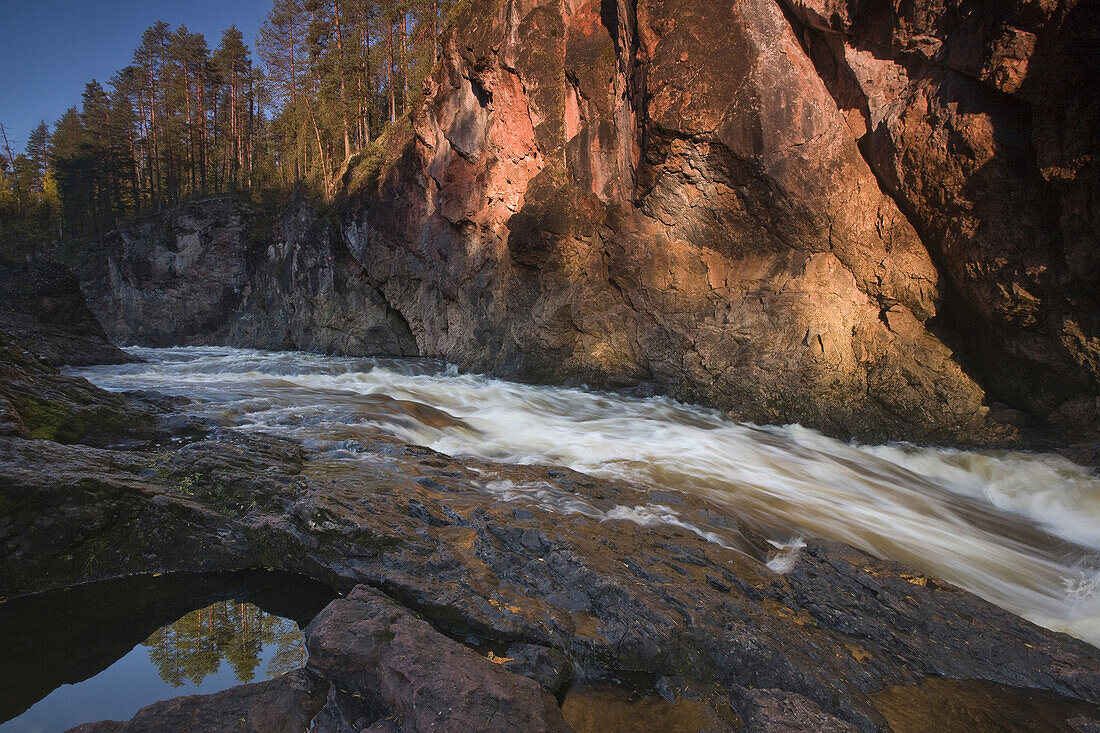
[{"x": 323, "y": 81}]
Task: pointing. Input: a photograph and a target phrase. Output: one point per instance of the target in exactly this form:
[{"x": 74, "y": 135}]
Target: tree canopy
[{"x": 183, "y": 121}]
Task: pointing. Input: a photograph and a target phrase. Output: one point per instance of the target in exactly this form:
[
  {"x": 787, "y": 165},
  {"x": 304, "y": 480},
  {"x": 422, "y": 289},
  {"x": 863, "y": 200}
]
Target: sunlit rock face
[
  {"x": 975, "y": 117},
  {"x": 760, "y": 205},
  {"x": 662, "y": 194}
]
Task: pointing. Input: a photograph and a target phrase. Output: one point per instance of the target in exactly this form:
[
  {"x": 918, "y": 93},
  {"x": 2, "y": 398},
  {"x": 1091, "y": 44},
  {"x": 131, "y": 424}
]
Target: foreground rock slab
[
  {"x": 387, "y": 664},
  {"x": 283, "y": 705},
  {"x": 430, "y": 555}
]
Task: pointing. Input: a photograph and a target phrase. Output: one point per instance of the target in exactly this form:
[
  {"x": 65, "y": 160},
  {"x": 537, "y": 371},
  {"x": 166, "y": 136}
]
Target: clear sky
[{"x": 50, "y": 48}]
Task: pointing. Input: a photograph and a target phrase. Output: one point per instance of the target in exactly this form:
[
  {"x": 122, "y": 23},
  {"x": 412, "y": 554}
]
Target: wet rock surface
[
  {"x": 956, "y": 706},
  {"x": 460, "y": 604}
]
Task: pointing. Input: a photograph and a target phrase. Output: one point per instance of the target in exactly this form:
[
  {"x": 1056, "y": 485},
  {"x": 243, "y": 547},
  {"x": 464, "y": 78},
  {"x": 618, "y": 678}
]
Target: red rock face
[
  {"x": 669, "y": 194},
  {"x": 979, "y": 119}
]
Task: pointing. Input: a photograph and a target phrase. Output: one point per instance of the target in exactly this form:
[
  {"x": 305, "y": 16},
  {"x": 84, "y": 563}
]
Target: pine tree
[
  {"x": 38, "y": 150},
  {"x": 68, "y": 167},
  {"x": 281, "y": 45},
  {"x": 234, "y": 66},
  {"x": 150, "y": 60}
]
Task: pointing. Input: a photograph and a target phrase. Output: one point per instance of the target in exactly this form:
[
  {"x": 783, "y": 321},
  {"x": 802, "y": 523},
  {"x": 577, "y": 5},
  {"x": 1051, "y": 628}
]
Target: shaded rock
[
  {"x": 41, "y": 304},
  {"x": 285, "y": 704},
  {"x": 217, "y": 271},
  {"x": 37, "y": 401},
  {"x": 785, "y": 712},
  {"x": 549, "y": 667},
  {"x": 394, "y": 664},
  {"x": 161, "y": 278},
  {"x": 616, "y": 708},
  {"x": 956, "y": 706},
  {"x": 11, "y": 423}
]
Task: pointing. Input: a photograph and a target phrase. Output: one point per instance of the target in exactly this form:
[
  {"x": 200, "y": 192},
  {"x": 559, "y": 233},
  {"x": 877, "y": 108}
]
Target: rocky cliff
[
  {"x": 661, "y": 193},
  {"x": 218, "y": 271},
  {"x": 874, "y": 221},
  {"x": 41, "y": 303},
  {"x": 975, "y": 117}
]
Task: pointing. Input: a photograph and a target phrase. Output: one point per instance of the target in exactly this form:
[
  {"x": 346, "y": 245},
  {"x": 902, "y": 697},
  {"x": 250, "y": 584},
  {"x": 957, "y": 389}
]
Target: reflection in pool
[
  {"x": 104, "y": 651},
  {"x": 240, "y": 634}
]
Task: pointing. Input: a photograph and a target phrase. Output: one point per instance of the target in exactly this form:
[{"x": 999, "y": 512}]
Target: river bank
[{"x": 436, "y": 565}]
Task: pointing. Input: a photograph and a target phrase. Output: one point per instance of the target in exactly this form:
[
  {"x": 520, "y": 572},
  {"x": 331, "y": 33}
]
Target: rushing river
[{"x": 1020, "y": 529}]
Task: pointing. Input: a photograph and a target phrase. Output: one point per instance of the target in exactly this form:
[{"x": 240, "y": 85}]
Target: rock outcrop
[
  {"x": 41, "y": 304},
  {"x": 384, "y": 663},
  {"x": 37, "y": 401},
  {"x": 975, "y": 118},
  {"x": 662, "y": 194},
  {"x": 215, "y": 271}
]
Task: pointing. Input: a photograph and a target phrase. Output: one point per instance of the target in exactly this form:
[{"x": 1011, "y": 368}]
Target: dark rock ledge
[{"x": 463, "y": 612}]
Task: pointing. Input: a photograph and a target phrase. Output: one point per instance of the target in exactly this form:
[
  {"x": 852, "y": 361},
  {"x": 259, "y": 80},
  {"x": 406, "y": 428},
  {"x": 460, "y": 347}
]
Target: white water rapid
[{"x": 1020, "y": 529}]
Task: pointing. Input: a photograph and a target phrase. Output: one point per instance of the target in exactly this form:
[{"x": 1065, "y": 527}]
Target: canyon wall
[
  {"x": 218, "y": 272},
  {"x": 660, "y": 194},
  {"x": 873, "y": 221},
  {"x": 979, "y": 119}
]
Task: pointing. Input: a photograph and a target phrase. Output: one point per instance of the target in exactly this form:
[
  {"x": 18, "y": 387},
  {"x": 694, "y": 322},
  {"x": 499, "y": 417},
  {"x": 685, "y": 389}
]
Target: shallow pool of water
[{"x": 106, "y": 650}]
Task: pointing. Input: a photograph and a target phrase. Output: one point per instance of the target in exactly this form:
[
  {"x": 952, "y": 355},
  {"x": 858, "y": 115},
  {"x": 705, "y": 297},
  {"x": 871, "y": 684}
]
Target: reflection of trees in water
[{"x": 194, "y": 646}]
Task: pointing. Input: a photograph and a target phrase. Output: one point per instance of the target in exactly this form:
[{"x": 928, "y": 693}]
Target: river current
[{"x": 1019, "y": 529}]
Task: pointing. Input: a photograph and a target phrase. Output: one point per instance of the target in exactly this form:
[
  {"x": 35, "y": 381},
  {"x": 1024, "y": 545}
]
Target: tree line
[{"x": 182, "y": 121}]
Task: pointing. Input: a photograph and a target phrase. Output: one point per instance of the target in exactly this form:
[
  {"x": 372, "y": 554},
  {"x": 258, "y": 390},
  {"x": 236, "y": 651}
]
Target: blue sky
[{"x": 50, "y": 48}]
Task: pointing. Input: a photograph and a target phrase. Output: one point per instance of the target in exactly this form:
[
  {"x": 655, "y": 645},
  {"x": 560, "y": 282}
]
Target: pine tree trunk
[
  {"x": 202, "y": 134},
  {"x": 405, "y": 60},
  {"x": 190, "y": 131},
  {"x": 389, "y": 74},
  {"x": 340, "y": 71},
  {"x": 366, "y": 75}
]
